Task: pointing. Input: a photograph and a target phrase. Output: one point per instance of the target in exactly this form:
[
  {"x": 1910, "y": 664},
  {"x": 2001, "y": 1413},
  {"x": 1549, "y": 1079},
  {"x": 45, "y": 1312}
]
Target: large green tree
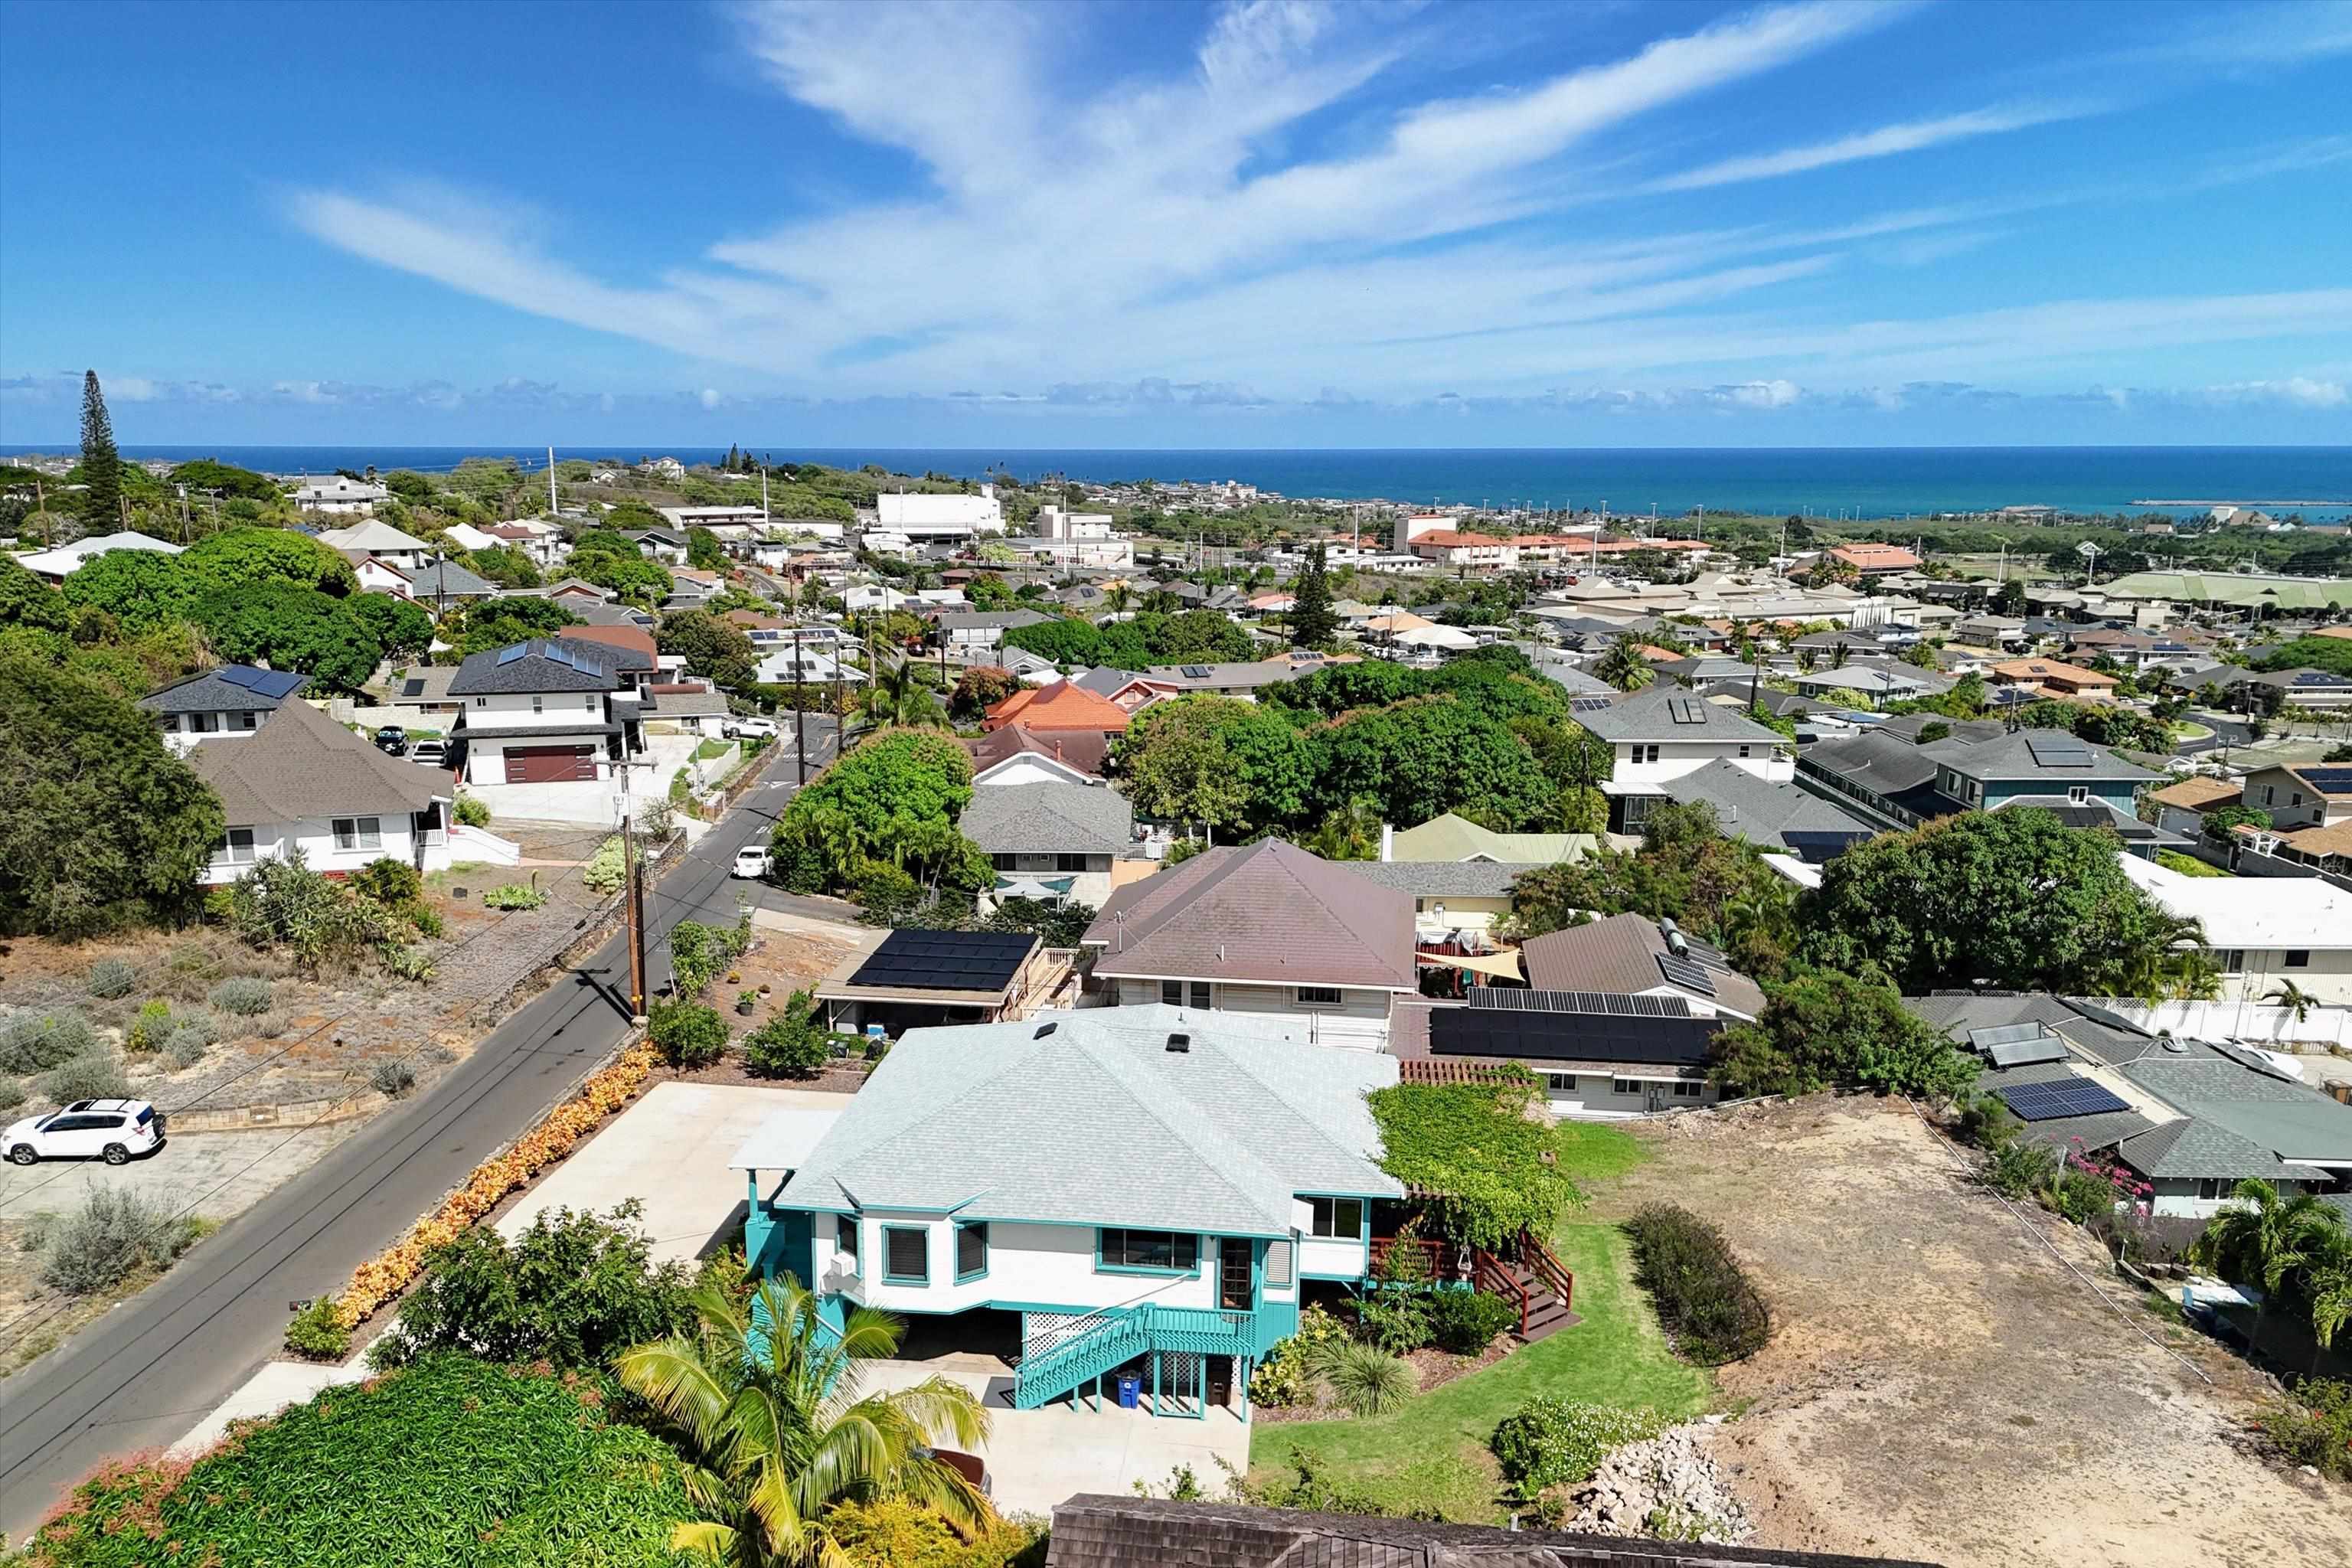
[
  {"x": 202, "y": 475},
  {"x": 1426, "y": 757},
  {"x": 716, "y": 649},
  {"x": 26, "y": 601},
  {"x": 1823, "y": 1029},
  {"x": 500, "y": 623},
  {"x": 239, "y": 558},
  {"x": 100, "y": 824},
  {"x": 1313, "y": 622},
  {"x": 1685, "y": 871},
  {"x": 894, "y": 800},
  {"x": 2013, "y": 899},
  {"x": 504, "y": 565},
  {"x": 288, "y": 627},
  {"x": 703, "y": 551},
  {"x": 101, "y": 465},
  {"x": 1218, "y": 760},
  {"x": 142, "y": 589},
  {"x": 404, "y": 629}
]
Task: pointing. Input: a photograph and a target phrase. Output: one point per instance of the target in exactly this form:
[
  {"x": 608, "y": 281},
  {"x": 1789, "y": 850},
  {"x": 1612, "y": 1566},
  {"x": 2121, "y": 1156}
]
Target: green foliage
[
  {"x": 1465, "y": 1323},
  {"x": 688, "y": 1033},
  {"x": 501, "y": 623},
  {"x": 96, "y": 1075},
  {"x": 116, "y": 1231},
  {"x": 240, "y": 558},
  {"x": 572, "y": 1290},
  {"x": 26, "y": 601},
  {"x": 1217, "y": 761},
  {"x": 1717, "y": 889},
  {"x": 2331, "y": 654},
  {"x": 100, "y": 467},
  {"x": 402, "y": 629},
  {"x": 455, "y": 1463},
  {"x": 632, "y": 576},
  {"x": 1313, "y": 622},
  {"x": 1703, "y": 1297},
  {"x": 1287, "y": 1375},
  {"x": 980, "y": 687},
  {"x": 471, "y": 811},
  {"x": 1424, "y": 757},
  {"x": 504, "y": 565},
  {"x": 513, "y": 896},
  {"x": 318, "y": 1332},
  {"x": 792, "y": 1044},
  {"x": 1824, "y": 1028},
  {"x": 12, "y": 1094},
  {"x": 2013, "y": 899},
  {"x": 147, "y": 1030},
  {"x": 2313, "y": 1426},
  {"x": 1550, "y": 1442},
  {"x": 1366, "y": 1379},
  {"x": 607, "y": 869},
  {"x": 282, "y": 904},
  {"x": 2019, "y": 1169},
  {"x": 100, "y": 824},
  {"x": 388, "y": 881},
  {"x": 224, "y": 479},
  {"x": 288, "y": 627},
  {"x": 1623, "y": 666},
  {"x": 190, "y": 1038},
  {"x": 703, "y": 551},
  {"x": 110, "y": 977},
  {"x": 1474, "y": 1146},
  {"x": 142, "y": 589},
  {"x": 2217, "y": 824},
  {"x": 35, "y": 1042},
  {"x": 716, "y": 649},
  {"x": 1200, "y": 636},
  {"x": 897, "y": 1533},
  {"x": 893, "y": 800},
  {"x": 392, "y": 1079}
]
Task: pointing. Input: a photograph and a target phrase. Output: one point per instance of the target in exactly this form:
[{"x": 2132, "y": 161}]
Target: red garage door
[{"x": 550, "y": 765}]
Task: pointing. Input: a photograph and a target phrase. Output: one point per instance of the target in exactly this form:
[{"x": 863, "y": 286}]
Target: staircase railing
[
  {"x": 1058, "y": 1356},
  {"x": 1440, "y": 1257},
  {"x": 1492, "y": 1275},
  {"x": 1546, "y": 1267}
]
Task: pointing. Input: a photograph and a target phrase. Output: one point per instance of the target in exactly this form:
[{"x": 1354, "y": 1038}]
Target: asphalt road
[
  {"x": 2228, "y": 733},
  {"x": 143, "y": 1374}
]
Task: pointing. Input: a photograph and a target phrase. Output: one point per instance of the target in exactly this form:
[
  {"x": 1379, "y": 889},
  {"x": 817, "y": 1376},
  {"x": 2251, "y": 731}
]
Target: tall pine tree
[
  {"x": 1313, "y": 622},
  {"x": 101, "y": 466}
]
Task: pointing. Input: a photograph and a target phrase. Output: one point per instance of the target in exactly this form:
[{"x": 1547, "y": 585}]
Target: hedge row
[{"x": 1704, "y": 1299}]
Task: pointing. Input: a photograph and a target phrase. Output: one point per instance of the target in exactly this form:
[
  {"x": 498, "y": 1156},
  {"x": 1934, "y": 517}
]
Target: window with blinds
[
  {"x": 906, "y": 1255},
  {"x": 972, "y": 1251},
  {"x": 1277, "y": 1263}
]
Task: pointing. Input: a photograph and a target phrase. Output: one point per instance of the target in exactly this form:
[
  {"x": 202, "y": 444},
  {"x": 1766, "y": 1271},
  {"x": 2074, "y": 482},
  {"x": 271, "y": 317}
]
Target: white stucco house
[
  {"x": 2263, "y": 931},
  {"x": 1664, "y": 732},
  {"x": 230, "y": 701},
  {"x": 57, "y": 565},
  {"x": 550, "y": 712},
  {"x": 338, "y": 493},
  {"x": 303, "y": 783},
  {"x": 378, "y": 540}
]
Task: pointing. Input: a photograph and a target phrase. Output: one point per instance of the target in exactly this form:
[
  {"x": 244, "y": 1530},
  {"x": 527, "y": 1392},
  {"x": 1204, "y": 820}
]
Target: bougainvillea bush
[{"x": 453, "y": 1462}]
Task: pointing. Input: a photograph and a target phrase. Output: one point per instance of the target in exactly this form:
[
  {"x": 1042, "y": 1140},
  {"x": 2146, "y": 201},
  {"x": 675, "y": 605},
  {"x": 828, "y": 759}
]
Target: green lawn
[
  {"x": 2187, "y": 865},
  {"x": 1432, "y": 1454},
  {"x": 709, "y": 748}
]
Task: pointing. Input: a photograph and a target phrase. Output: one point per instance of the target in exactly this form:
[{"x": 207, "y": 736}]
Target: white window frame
[
  {"x": 224, "y": 852},
  {"x": 1625, "y": 1086},
  {"x": 365, "y": 832},
  {"x": 2078, "y": 795},
  {"x": 1317, "y": 996}
]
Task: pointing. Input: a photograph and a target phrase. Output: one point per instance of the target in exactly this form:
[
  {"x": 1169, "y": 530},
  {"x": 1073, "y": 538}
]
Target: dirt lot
[
  {"x": 789, "y": 952},
  {"x": 1940, "y": 1387}
]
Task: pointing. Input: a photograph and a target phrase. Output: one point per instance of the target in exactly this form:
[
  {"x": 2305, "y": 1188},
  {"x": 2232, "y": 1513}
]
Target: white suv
[{"x": 113, "y": 1129}]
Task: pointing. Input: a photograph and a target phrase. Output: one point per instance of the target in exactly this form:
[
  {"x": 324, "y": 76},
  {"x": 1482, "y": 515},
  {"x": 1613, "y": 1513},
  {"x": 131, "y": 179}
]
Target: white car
[
  {"x": 766, "y": 727},
  {"x": 430, "y": 753},
  {"x": 110, "y": 1130},
  {"x": 751, "y": 861}
]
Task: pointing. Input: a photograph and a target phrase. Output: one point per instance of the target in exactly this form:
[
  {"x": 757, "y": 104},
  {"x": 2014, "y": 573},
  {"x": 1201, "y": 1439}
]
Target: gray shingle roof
[
  {"x": 303, "y": 766},
  {"x": 1269, "y": 912},
  {"x": 450, "y": 578},
  {"x": 1058, "y": 818},
  {"x": 420, "y": 683},
  {"x": 1878, "y": 763},
  {"x": 1087, "y": 1117},
  {"x": 2012, "y": 757},
  {"x": 1758, "y": 810},
  {"x": 1645, "y": 717},
  {"x": 1104, "y": 679},
  {"x": 1620, "y": 954},
  {"x": 539, "y": 668},
  {"x": 210, "y": 693},
  {"x": 986, "y": 620},
  {"x": 1442, "y": 878}
]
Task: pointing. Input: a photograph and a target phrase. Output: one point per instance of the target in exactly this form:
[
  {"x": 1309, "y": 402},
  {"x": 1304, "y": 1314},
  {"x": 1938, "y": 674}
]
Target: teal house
[{"x": 1136, "y": 1195}]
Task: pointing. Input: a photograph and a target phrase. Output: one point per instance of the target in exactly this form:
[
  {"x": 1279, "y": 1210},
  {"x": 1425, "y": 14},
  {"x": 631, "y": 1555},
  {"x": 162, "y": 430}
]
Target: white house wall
[
  {"x": 1038, "y": 1265},
  {"x": 1677, "y": 758},
  {"x": 515, "y": 712},
  {"x": 315, "y": 840}
]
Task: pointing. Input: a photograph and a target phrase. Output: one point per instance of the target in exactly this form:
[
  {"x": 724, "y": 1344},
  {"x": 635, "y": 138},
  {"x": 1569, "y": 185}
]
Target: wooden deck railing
[
  {"x": 1492, "y": 1275},
  {"x": 1546, "y": 1267}
]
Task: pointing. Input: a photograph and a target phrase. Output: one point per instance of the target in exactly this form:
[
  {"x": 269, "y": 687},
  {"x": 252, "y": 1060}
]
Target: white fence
[
  {"x": 2239, "y": 1021},
  {"x": 473, "y": 844}
]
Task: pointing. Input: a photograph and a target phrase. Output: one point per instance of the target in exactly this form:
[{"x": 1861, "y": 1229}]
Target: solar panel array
[
  {"x": 411, "y": 688},
  {"x": 1587, "y": 704},
  {"x": 1195, "y": 671},
  {"x": 2027, "y": 1053},
  {"x": 1686, "y": 710},
  {"x": 2064, "y": 1097},
  {"x": 946, "y": 960},
  {"x": 1682, "y": 972},
  {"x": 2327, "y": 781},
  {"x": 1511, "y": 999},
  {"x": 275, "y": 683},
  {"x": 1533, "y": 1035},
  {"x": 2053, "y": 750}
]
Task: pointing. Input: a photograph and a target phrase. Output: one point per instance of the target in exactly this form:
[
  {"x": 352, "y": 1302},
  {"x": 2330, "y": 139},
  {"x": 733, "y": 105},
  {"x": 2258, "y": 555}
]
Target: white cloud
[
  {"x": 1759, "y": 394},
  {"x": 710, "y": 398},
  {"x": 1883, "y": 142},
  {"x": 2302, "y": 392}
]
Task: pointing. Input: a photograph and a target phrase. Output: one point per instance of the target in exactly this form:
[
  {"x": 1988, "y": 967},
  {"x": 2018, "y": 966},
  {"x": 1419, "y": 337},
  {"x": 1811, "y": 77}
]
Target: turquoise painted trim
[
  {"x": 1102, "y": 1267},
  {"x": 987, "y": 1248},
  {"x": 1198, "y": 1247},
  {"x": 924, "y": 1279},
  {"x": 856, "y": 1258},
  {"x": 958, "y": 1213}
]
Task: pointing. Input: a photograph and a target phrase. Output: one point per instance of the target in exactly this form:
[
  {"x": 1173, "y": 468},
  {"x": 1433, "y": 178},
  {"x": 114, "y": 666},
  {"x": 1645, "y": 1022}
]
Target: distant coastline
[{"x": 1878, "y": 484}]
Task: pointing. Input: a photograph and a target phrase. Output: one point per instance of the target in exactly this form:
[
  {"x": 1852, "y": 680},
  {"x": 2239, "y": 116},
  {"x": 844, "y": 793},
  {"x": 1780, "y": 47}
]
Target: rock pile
[{"x": 1668, "y": 1486}]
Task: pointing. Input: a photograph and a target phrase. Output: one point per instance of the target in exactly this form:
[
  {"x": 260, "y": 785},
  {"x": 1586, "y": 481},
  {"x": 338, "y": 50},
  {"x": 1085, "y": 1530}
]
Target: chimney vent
[{"x": 1180, "y": 1044}]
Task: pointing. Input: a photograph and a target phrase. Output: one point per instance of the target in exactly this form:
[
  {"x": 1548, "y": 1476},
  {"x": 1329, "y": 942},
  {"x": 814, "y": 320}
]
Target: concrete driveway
[
  {"x": 1037, "y": 1458},
  {"x": 671, "y": 1150}
]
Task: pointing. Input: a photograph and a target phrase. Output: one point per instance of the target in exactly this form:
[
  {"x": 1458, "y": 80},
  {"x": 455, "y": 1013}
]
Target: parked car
[
  {"x": 739, "y": 726},
  {"x": 430, "y": 753},
  {"x": 392, "y": 740},
  {"x": 752, "y": 860},
  {"x": 110, "y": 1130}
]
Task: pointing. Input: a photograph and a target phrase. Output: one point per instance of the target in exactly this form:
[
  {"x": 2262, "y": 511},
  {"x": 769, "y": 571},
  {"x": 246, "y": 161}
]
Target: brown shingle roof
[
  {"x": 2200, "y": 794},
  {"x": 1620, "y": 954},
  {"x": 1074, "y": 748},
  {"x": 635, "y": 638},
  {"x": 1270, "y": 912},
  {"x": 1059, "y": 707},
  {"x": 302, "y": 764}
]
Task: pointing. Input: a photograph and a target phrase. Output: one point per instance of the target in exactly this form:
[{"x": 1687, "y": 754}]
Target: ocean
[{"x": 1831, "y": 482}]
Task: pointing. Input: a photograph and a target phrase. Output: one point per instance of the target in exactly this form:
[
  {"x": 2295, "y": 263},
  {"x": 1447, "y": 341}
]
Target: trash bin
[{"x": 1131, "y": 1391}]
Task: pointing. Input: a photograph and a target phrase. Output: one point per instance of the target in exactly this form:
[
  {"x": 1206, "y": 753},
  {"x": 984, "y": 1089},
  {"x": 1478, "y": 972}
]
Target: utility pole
[
  {"x": 634, "y": 905},
  {"x": 765, "y": 521},
  {"x": 799, "y": 698},
  {"x": 41, "y": 502},
  {"x": 184, "y": 514},
  {"x": 553, "y": 507}
]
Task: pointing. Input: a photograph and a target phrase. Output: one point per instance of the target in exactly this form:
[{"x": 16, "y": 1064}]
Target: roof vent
[
  {"x": 2174, "y": 1046},
  {"x": 1044, "y": 1030},
  {"x": 1180, "y": 1044}
]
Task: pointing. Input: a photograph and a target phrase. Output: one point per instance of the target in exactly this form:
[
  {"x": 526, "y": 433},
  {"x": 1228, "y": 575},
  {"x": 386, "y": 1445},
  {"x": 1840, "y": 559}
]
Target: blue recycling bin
[{"x": 1131, "y": 1391}]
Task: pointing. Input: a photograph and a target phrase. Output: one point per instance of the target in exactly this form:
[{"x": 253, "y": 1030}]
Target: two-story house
[
  {"x": 1891, "y": 784},
  {"x": 1129, "y": 1189},
  {"x": 1664, "y": 733},
  {"x": 1054, "y": 842},
  {"x": 546, "y": 711},
  {"x": 971, "y": 636},
  {"x": 1262, "y": 928},
  {"x": 232, "y": 701},
  {"x": 2302, "y": 795}
]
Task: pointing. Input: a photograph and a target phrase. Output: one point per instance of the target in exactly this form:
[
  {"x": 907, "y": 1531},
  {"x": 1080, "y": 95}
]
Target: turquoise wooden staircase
[{"x": 1059, "y": 1355}]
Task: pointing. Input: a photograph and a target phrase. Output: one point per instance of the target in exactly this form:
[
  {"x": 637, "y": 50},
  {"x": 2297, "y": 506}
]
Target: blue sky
[{"x": 1136, "y": 224}]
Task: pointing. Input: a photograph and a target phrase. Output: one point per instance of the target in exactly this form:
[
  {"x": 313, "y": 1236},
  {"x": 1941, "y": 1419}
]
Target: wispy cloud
[{"x": 1883, "y": 142}]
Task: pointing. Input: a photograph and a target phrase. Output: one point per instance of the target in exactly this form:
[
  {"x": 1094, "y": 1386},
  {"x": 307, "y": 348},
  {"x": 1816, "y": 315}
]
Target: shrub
[
  {"x": 281, "y": 902},
  {"x": 319, "y": 1332},
  {"x": 2313, "y": 1425},
  {"x": 688, "y": 1033},
  {"x": 2080, "y": 1196},
  {"x": 12, "y": 1094},
  {"x": 98, "y": 1076},
  {"x": 606, "y": 870},
  {"x": 1286, "y": 1376},
  {"x": 390, "y": 882},
  {"x": 1551, "y": 1442},
  {"x": 746, "y": 1000},
  {"x": 392, "y": 1080},
  {"x": 513, "y": 896},
  {"x": 1500, "y": 1172},
  {"x": 1703, "y": 1297},
  {"x": 471, "y": 811},
  {"x": 792, "y": 1044},
  {"x": 2019, "y": 1169},
  {"x": 242, "y": 994},
  {"x": 422, "y": 918},
  {"x": 898, "y": 1532},
  {"x": 34, "y": 1042},
  {"x": 574, "y": 1289},
  {"x": 1368, "y": 1379},
  {"x": 1465, "y": 1323},
  {"x": 115, "y": 1231},
  {"x": 695, "y": 954},
  {"x": 148, "y": 1030},
  {"x": 110, "y": 977},
  {"x": 186, "y": 1044},
  {"x": 410, "y": 963}
]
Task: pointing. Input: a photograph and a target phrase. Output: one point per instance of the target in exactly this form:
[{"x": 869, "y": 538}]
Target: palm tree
[
  {"x": 898, "y": 696},
  {"x": 1623, "y": 666},
  {"x": 1117, "y": 596},
  {"x": 1350, "y": 832},
  {"x": 766, "y": 1398},
  {"x": 2293, "y": 997},
  {"x": 2328, "y": 1285},
  {"x": 2265, "y": 1238}
]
